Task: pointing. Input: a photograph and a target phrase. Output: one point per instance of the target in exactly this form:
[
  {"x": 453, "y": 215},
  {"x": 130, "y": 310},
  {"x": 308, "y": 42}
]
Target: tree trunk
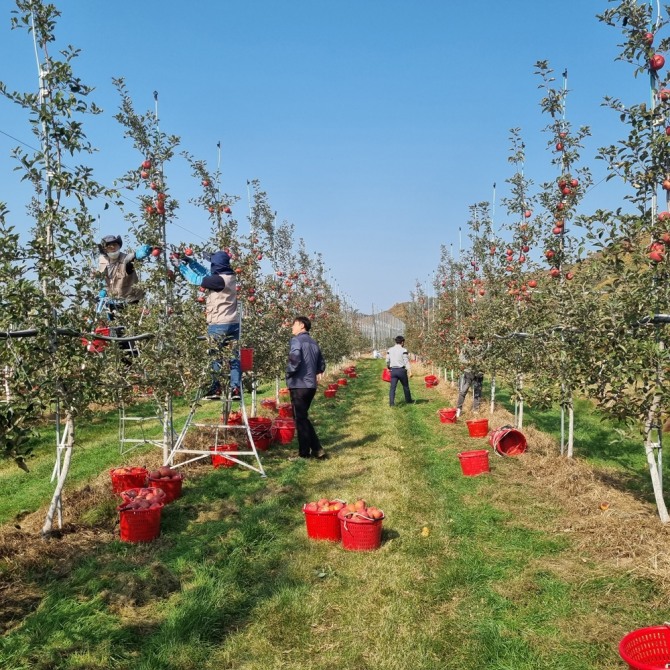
[
  {"x": 654, "y": 471},
  {"x": 571, "y": 426},
  {"x": 66, "y": 451},
  {"x": 493, "y": 393},
  {"x": 519, "y": 417}
]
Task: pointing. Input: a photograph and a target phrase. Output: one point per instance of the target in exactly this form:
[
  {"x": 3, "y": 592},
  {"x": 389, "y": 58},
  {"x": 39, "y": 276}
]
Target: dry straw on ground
[{"x": 606, "y": 521}]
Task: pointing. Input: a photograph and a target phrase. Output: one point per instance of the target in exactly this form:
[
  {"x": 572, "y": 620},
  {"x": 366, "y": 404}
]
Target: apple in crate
[
  {"x": 323, "y": 505},
  {"x": 360, "y": 512}
]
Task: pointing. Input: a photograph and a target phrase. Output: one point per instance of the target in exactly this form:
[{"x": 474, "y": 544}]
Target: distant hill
[{"x": 399, "y": 310}]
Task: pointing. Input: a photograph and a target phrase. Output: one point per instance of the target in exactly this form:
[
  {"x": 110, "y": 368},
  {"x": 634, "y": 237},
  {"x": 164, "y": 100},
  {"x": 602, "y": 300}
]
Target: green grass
[{"x": 463, "y": 580}]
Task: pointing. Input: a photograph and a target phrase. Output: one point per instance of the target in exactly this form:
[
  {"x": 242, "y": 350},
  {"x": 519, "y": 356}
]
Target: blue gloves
[
  {"x": 102, "y": 293},
  {"x": 143, "y": 251}
]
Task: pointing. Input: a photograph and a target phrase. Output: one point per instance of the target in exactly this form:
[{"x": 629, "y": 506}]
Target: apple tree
[{"x": 55, "y": 252}]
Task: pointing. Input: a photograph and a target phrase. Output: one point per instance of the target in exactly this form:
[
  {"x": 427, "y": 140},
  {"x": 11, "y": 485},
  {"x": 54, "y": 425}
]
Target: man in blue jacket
[
  {"x": 223, "y": 320},
  {"x": 303, "y": 373}
]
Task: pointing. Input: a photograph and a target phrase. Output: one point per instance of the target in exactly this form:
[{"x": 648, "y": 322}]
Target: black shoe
[
  {"x": 235, "y": 394},
  {"x": 213, "y": 396},
  {"x": 320, "y": 454}
]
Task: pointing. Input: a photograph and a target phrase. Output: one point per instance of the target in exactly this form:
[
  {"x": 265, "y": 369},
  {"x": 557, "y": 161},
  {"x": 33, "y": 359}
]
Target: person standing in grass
[
  {"x": 470, "y": 359},
  {"x": 303, "y": 374},
  {"x": 397, "y": 360}
]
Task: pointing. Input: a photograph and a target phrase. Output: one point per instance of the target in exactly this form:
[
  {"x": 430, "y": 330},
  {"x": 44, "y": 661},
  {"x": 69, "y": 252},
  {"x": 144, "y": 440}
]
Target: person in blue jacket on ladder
[{"x": 221, "y": 311}]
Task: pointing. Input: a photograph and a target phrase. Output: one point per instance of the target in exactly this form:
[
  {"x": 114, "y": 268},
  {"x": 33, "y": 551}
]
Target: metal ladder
[{"x": 222, "y": 427}]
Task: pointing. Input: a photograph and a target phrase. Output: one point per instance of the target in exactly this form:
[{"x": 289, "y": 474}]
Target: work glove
[
  {"x": 143, "y": 251},
  {"x": 176, "y": 261},
  {"x": 102, "y": 293}
]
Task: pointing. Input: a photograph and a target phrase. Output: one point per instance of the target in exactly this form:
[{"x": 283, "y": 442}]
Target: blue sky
[{"x": 372, "y": 124}]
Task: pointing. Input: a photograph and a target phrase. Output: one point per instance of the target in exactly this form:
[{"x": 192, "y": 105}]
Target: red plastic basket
[
  {"x": 330, "y": 393},
  {"x": 342, "y": 381},
  {"x": 508, "y": 441},
  {"x": 222, "y": 461},
  {"x": 283, "y": 430},
  {"x": 352, "y": 375},
  {"x": 269, "y": 403},
  {"x": 386, "y": 375},
  {"x": 137, "y": 478},
  {"x": 261, "y": 431},
  {"x": 246, "y": 360},
  {"x": 448, "y": 415},
  {"x": 646, "y": 648},
  {"x": 474, "y": 462},
  {"x": 140, "y": 525},
  {"x": 285, "y": 410},
  {"x": 478, "y": 427},
  {"x": 172, "y": 487},
  {"x": 333, "y": 387},
  {"x": 431, "y": 380},
  {"x": 362, "y": 535},
  {"x": 322, "y": 525},
  {"x": 234, "y": 419}
]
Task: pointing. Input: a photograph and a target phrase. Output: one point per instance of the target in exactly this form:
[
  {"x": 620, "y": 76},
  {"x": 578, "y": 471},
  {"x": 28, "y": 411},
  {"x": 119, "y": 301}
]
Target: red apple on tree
[
  {"x": 188, "y": 251},
  {"x": 156, "y": 252},
  {"x": 648, "y": 39},
  {"x": 656, "y": 62},
  {"x": 549, "y": 253},
  {"x": 532, "y": 283},
  {"x": 146, "y": 164}
]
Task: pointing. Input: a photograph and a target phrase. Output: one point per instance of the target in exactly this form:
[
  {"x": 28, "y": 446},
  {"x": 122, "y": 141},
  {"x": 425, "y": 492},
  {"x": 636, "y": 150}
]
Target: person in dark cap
[
  {"x": 223, "y": 320},
  {"x": 118, "y": 270},
  {"x": 397, "y": 360},
  {"x": 469, "y": 358}
]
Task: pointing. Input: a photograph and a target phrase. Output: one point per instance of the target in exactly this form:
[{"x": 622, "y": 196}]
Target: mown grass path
[{"x": 469, "y": 574}]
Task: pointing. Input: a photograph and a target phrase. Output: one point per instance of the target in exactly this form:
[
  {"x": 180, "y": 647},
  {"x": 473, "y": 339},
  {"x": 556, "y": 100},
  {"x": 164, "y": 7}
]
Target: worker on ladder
[
  {"x": 117, "y": 269},
  {"x": 223, "y": 321}
]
